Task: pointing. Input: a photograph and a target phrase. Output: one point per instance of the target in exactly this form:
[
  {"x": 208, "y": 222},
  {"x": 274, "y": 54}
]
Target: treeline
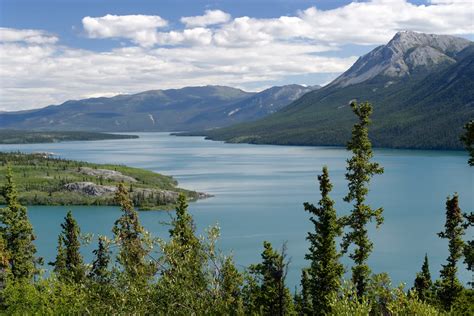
[
  {"x": 8, "y": 136},
  {"x": 186, "y": 274}
]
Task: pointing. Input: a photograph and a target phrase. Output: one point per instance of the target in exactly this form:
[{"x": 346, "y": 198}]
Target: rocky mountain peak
[{"x": 405, "y": 53}]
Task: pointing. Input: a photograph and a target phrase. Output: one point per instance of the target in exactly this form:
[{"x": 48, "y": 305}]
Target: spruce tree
[
  {"x": 469, "y": 246},
  {"x": 359, "y": 173},
  {"x": 305, "y": 298},
  {"x": 450, "y": 287},
  {"x": 69, "y": 263},
  {"x": 183, "y": 278},
  {"x": 17, "y": 233},
  {"x": 423, "y": 284},
  {"x": 100, "y": 272},
  {"x": 131, "y": 238},
  {"x": 325, "y": 271},
  {"x": 230, "y": 281},
  {"x": 268, "y": 292}
]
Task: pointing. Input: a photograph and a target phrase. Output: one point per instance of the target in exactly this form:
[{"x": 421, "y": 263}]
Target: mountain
[
  {"x": 157, "y": 110},
  {"x": 421, "y": 86}
]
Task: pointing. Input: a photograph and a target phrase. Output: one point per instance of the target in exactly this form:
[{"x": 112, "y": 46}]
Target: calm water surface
[{"x": 259, "y": 192}]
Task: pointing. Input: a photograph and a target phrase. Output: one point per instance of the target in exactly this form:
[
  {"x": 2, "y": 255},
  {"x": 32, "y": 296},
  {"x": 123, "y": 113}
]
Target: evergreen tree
[
  {"x": 325, "y": 271},
  {"x": 423, "y": 284},
  {"x": 131, "y": 237},
  {"x": 99, "y": 272},
  {"x": 468, "y": 139},
  {"x": 69, "y": 263},
  {"x": 60, "y": 262},
  {"x": 183, "y": 284},
  {"x": 450, "y": 287},
  {"x": 230, "y": 288},
  {"x": 305, "y": 299},
  {"x": 359, "y": 173},
  {"x": 267, "y": 291},
  {"x": 469, "y": 245},
  {"x": 17, "y": 233}
]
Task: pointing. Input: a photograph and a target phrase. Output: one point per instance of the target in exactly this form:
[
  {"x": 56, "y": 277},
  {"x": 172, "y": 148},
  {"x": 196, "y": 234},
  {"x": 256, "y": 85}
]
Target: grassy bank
[{"x": 46, "y": 180}]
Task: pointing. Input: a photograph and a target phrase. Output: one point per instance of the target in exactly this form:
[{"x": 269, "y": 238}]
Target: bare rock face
[
  {"x": 405, "y": 53},
  {"x": 89, "y": 188},
  {"x": 106, "y": 174}
]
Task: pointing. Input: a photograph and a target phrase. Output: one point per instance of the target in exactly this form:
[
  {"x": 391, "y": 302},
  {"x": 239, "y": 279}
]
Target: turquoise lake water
[{"x": 259, "y": 192}]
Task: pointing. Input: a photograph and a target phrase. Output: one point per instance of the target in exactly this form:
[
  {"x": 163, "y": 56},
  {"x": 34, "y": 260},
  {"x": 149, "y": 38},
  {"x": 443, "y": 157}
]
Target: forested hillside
[
  {"x": 31, "y": 137},
  {"x": 423, "y": 107}
]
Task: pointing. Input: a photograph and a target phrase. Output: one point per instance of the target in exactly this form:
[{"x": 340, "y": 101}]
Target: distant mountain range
[
  {"x": 185, "y": 109},
  {"x": 421, "y": 86}
]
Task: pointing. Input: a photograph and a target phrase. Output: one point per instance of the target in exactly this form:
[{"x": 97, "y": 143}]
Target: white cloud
[
  {"x": 36, "y": 71},
  {"x": 141, "y": 29},
  {"x": 210, "y": 17},
  {"x": 28, "y": 36},
  {"x": 37, "y": 75}
]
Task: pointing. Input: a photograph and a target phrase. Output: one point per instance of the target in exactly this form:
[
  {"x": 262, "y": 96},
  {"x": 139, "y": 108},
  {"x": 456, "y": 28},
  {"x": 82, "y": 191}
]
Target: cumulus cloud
[
  {"x": 244, "y": 51},
  {"x": 37, "y": 75},
  {"x": 141, "y": 29},
  {"x": 210, "y": 17},
  {"x": 27, "y": 36}
]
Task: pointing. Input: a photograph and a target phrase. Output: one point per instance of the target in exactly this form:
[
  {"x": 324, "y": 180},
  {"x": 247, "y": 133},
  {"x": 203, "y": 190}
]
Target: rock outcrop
[
  {"x": 90, "y": 189},
  {"x": 106, "y": 174}
]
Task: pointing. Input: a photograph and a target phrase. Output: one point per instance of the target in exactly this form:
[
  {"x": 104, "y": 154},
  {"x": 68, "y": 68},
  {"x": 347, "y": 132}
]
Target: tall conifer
[
  {"x": 69, "y": 263},
  {"x": 359, "y": 173},
  {"x": 325, "y": 271},
  {"x": 99, "y": 272},
  {"x": 450, "y": 287},
  {"x": 17, "y": 233},
  {"x": 130, "y": 236},
  {"x": 423, "y": 283}
]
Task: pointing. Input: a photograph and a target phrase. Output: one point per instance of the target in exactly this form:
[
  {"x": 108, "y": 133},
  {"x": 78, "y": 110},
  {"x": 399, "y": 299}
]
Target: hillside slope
[
  {"x": 183, "y": 109},
  {"x": 423, "y": 105}
]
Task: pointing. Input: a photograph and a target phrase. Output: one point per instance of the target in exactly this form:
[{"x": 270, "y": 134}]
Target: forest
[
  {"x": 9, "y": 136},
  {"x": 134, "y": 272}
]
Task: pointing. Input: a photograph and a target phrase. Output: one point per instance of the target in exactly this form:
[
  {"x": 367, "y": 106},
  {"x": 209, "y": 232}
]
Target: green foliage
[
  {"x": 359, "y": 173},
  {"x": 265, "y": 292},
  {"x": 32, "y": 137},
  {"x": 132, "y": 239},
  {"x": 194, "y": 277},
  {"x": 424, "y": 111},
  {"x": 69, "y": 263},
  {"x": 41, "y": 180},
  {"x": 468, "y": 139},
  {"x": 449, "y": 288},
  {"x": 423, "y": 286},
  {"x": 17, "y": 233},
  {"x": 100, "y": 266},
  {"x": 325, "y": 272}
]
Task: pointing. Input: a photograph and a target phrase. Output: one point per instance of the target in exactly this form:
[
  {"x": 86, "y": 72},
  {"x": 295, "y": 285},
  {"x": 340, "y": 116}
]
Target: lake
[{"x": 259, "y": 192}]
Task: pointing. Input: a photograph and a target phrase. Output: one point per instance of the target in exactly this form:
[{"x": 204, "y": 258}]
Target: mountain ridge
[
  {"x": 155, "y": 110},
  {"x": 423, "y": 109}
]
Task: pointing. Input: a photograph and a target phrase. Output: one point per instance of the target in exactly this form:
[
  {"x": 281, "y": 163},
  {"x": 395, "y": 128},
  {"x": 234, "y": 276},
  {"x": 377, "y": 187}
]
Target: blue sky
[{"x": 55, "y": 50}]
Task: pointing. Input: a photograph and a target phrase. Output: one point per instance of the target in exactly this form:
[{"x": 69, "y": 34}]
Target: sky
[{"x": 52, "y": 51}]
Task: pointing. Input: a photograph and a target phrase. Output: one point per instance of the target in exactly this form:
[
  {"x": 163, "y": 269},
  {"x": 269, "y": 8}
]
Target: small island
[
  {"x": 8, "y": 136},
  {"x": 43, "y": 179}
]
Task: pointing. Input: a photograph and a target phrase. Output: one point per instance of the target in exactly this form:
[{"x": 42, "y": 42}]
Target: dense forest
[
  {"x": 186, "y": 274},
  {"x": 8, "y": 136},
  {"x": 44, "y": 179}
]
